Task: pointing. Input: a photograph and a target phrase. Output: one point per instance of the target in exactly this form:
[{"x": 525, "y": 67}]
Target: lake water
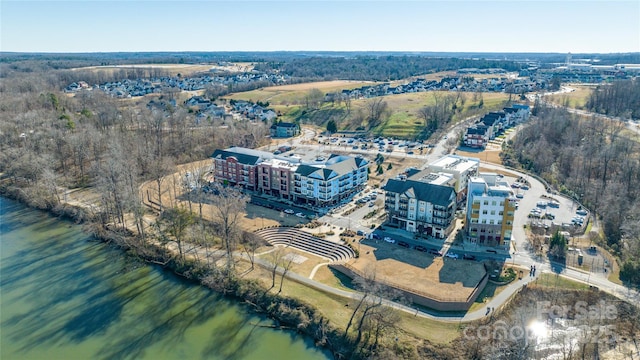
[{"x": 64, "y": 296}]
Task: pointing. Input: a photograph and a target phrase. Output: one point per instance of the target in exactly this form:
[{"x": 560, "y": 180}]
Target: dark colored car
[
  {"x": 435, "y": 252},
  {"x": 492, "y": 251},
  {"x": 469, "y": 257},
  {"x": 403, "y": 244},
  {"x": 376, "y": 236},
  {"x": 420, "y": 248}
]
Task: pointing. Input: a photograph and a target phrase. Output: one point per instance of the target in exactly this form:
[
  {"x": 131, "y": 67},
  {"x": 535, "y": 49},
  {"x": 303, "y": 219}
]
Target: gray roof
[
  {"x": 336, "y": 165},
  {"x": 244, "y": 156},
  {"x": 435, "y": 194}
]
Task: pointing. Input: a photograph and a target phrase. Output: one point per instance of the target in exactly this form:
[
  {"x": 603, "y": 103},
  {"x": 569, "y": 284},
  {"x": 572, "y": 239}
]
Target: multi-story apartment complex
[
  {"x": 490, "y": 212},
  {"x": 420, "y": 207},
  {"x": 460, "y": 167},
  {"x": 318, "y": 183},
  {"x": 327, "y": 183},
  {"x": 237, "y": 166},
  {"x": 450, "y": 170}
]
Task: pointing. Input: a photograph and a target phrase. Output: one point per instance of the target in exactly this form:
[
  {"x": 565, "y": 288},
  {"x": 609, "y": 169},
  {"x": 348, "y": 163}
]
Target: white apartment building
[{"x": 490, "y": 212}]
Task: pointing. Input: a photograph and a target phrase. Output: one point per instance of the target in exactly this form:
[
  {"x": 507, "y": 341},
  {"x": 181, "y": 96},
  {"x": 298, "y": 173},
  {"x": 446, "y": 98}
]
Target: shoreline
[{"x": 288, "y": 313}]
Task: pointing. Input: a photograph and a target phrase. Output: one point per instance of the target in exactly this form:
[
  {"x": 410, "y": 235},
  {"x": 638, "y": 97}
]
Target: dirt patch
[{"x": 491, "y": 156}]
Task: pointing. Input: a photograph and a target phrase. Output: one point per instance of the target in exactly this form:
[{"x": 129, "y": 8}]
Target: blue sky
[{"x": 347, "y": 25}]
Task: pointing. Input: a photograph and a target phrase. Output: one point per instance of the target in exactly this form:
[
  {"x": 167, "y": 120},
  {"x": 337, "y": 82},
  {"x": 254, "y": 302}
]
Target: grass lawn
[
  {"x": 295, "y": 93},
  {"x": 575, "y": 99},
  {"x": 554, "y": 281}
]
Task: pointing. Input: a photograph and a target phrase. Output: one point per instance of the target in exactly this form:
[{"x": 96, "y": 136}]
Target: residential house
[
  {"x": 284, "y": 129},
  {"x": 420, "y": 207}
]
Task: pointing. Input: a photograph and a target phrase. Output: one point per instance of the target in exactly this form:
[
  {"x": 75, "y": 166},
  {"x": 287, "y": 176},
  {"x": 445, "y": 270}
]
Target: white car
[
  {"x": 389, "y": 240},
  {"x": 300, "y": 215},
  {"x": 452, "y": 255},
  {"x": 289, "y": 211}
]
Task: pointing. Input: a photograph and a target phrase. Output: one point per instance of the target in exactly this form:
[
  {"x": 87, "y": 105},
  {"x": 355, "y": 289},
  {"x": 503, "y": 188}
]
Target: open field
[
  {"x": 289, "y": 94},
  {"x": 440, "y": 278},
  {"x": 576, "y": 99},
  {"x": 404, "y": 120},
  {"x": 174, "y": 69}
]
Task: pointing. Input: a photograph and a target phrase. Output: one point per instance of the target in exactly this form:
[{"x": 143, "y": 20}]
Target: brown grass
[
  {"x": 491, "y": 156},
  {"x": 443, "y": 278},
  {"x": 575, "y": 99}
]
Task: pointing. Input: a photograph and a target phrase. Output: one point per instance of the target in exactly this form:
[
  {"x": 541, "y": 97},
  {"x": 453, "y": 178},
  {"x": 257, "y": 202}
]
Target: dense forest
[
  {"x": 595, "y": 161},
  {"x": 384, "y": 68},
  {"x": 621, "y": 98}
]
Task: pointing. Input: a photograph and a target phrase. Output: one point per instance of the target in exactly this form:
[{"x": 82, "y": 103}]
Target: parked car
[
  {"x": 469, "y": 257},
  {"x": 376, "y": 236},
  {"x": 452, "y": 255},
  {"x": 360, "y": 233},
  {"x": 492, "y": 251},
  {"x": 519, "y": 196},
  {"x": 403, "y": 244},
  {"x": 389, "y": 240},
  {"x": 541, "y": 204},
  {"x": 300, "y": 215},
  {"x": 435, "y": 252},
  {"x": 553, "y": 204},
  {"x": 582, "y": 212},
  {"x": 524, "y": 187},
  {"x": 420, "y": 248},
  {"x": 372, "y": 204},
  {"x": 289, "y": 211}
]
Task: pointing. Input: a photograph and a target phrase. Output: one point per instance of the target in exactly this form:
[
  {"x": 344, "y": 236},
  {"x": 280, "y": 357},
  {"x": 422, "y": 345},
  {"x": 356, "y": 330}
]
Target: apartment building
[
  {"x": 318, "y": 183},
  {"x": 490, "y": 212},
  {"x": 460, "y": 167},
  {"x": 326, "y": 184},
  {"x": 420, "y": 207},
  {"x": 237, "y": 166}
]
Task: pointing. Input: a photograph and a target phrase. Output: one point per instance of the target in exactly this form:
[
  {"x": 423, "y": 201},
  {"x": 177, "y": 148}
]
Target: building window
[
  {"x": 493, "y": 212},
  {"x": 501, "y": 213},
  {"x": 491, "y": 222},
  {"x": 486, "y": 202},
  {"x": 493, "y": 203},
  {"x": 484, "y": 212}
]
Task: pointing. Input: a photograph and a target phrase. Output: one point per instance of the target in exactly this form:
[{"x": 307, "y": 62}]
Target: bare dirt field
[
  {"x": 491, "y": 156},
  {"x": 441, "y": 278}
]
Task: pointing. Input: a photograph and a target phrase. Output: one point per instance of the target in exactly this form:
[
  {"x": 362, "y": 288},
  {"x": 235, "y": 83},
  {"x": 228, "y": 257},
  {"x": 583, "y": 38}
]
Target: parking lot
[{"x": 545, "y": 210}]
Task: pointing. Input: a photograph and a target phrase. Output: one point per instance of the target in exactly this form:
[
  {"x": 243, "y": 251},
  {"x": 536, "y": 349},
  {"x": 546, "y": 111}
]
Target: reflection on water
[{"x": 63, "y": 296}]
